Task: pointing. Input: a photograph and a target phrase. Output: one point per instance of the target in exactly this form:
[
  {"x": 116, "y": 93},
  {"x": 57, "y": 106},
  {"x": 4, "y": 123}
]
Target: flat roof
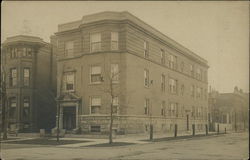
[{"x": 110, "y": 15}]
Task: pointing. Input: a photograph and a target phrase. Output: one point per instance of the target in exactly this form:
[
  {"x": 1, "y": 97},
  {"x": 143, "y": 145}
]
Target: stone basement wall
[{"x": 137, "y": 124}]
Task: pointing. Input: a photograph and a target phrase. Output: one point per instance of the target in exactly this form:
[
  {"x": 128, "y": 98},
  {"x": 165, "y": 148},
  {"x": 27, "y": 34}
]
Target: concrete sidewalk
[
  {"x": 132, "y": 138},
  {"x": 129, "y": 138}
]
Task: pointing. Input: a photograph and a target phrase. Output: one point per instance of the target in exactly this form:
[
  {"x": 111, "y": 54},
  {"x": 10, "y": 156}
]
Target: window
[
  {"x": 26, "y": 107},
  {"x": 182, "y": 66},
  {"x": 13, "y": 77},
  {"x": 191, "y": 70},
  {"x": 26, "y": 102},
  {"x": 173, "y": 109},
  {"x": 95, "y": 105},
  {"x": 182, "y": 111},
  {"x": 95, "y": 42},
  {"x": 146, "y": 106},
  {"x": 114, "y": 40},
  {"x": 24, "y": 52},
  {"x": 182, "y": 89},
  {"x": 163, "y": 83},
  {"x": 95, "y": 76},
  {"x": 162, "y": 56},
  {"x": 199, "y": 111},
  {"x": 193, "y": 111},
  {"x": 173, "y": 86},
  {"x": 95, "y": 128},
  {"x": 13, "y": 106},
  {"x": 29, "y": 52},
  {"x": 114, "y": 72},
  {"x": 198, "y": 73},
  {"x": 69, "y": 81},
  {"x": 146, "y": 78},
  {"x": 19, "y": 52},
  {"x": 192, "y": 90},
  {"x": 198, "y": 92},
  {"x": 26, "y": 76},
  {"x": 145, "y": 47},
  {"x": 163, "y": 108},
  {"x": 69, "y": 49},
  {"x": 173, "y": 62},
  {"x": 115, "y": 104},
  {"x": 14, "y": 53}
]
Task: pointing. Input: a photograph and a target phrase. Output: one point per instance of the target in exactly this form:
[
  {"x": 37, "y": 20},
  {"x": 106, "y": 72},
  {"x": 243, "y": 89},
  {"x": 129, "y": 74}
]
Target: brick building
[
  {"x": 29, "y": 69},
  {"x": 229, "y": 110},
  {"x": 158, "y": 81}
]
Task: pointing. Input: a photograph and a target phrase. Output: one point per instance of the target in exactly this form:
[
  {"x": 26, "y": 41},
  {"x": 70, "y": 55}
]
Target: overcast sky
[{"x": 216, "y": 31}]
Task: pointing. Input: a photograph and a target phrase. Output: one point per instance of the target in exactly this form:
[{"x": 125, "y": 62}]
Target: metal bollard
[
  {"x": 175, "y": 130},
  {"x": 218, "y": 128},
  {"x": 193, "y": 128},
  {"x": 151, "y": 132},
  {"x": 206, "y": 130}
]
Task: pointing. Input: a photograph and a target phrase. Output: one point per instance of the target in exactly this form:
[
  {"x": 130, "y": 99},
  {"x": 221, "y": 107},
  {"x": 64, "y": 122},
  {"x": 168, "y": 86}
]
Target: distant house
[
  {"x": 29, "y": 69},
  {"x": 229, "y": 110},
  {"x": 159, "y": 82}
]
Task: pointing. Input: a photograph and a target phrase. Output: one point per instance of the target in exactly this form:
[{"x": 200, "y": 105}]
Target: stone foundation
[{"x": 99, "y": 124}]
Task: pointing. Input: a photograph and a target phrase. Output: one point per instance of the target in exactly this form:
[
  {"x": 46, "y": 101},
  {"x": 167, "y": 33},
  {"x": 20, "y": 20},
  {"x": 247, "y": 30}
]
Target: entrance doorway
[
  {"x": 69, "y": 118},
  {"x": 187, "y": 122}
]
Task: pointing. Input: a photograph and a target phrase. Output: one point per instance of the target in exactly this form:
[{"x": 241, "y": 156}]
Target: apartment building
[
  {"x": 29, "y": 72},
  {"x": 155, "y": 79},
  {"x": 228, "y": 110}
]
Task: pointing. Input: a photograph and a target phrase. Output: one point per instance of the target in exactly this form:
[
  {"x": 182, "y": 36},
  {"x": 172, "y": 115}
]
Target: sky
[{"x": 216, "y": 31}]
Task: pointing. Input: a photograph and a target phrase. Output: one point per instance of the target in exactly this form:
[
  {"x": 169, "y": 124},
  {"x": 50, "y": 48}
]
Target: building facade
[
  {"x": 29, "y": 71},
  {"x": 229, "y": 110},
  {"x": 151, "y": 78}
]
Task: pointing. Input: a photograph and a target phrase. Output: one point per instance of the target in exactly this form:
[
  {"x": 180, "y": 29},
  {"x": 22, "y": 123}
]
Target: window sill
[
  {"x": 68, "y": 91},
  {"x": 95, "y": 83}
]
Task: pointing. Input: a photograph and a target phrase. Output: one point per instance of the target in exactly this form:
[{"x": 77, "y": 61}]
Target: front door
[
  {"x": 187, "y": 122},
  {"x": 69, "y": 118}
]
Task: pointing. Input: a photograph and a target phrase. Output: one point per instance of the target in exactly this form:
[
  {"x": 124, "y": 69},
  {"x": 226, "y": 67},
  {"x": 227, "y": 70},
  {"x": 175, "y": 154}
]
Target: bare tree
[
  {"x": 59, "y": 106},
  {"x": 4, "y": 101}
]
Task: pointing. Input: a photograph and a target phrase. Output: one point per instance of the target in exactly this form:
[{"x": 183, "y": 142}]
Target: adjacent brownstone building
[
  {"x": 157, "y": 81},
  {"x": 229, "y": 110},
  {"x": 29, "y": 69}
]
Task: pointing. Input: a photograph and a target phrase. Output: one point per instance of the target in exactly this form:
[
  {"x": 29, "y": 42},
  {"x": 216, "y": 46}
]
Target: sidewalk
[
  {"x": 132, "y": 138},
  {"x": 103, "y": 139}
]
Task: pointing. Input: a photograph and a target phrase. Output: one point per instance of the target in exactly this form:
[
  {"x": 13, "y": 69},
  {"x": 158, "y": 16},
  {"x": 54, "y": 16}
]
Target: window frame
[
  {"x": 13, "y": 108},
  {"x": 91, "y": 105},
  {"x": 115, "y": 105},
  {"x": 172, "y": 87},
  {"x": 65, "y": 78},
  {"x": 98, "y": 43},
  {"x": 163, "y": 83},
  {"x": 114, "y": 41},
  {"x": 146, "y": 78},
  {"x": 114, "y": 76},
  {"x": 99, "y": 74},
  {"x": 13, "y": 78},
  {"x": 146, "y": 106},
  {"x": 26, "y": 84},
  {"x": 69, "y": 53}
]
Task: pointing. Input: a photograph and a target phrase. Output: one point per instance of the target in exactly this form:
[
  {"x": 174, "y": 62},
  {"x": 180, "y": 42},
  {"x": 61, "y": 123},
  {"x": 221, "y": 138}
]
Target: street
[{"x": 233, "y": 146}]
